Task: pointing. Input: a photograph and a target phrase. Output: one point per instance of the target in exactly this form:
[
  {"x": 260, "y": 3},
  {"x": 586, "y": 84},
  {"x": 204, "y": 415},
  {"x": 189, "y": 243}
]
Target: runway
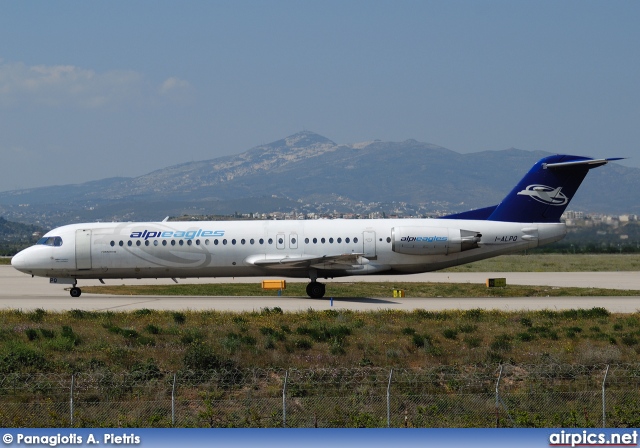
[{"x": 19, "y": 291}]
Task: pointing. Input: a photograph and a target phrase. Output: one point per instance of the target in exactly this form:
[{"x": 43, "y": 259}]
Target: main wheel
[
  {"x": 315, "y": 290},
  {"x": 75, "y": 292}
]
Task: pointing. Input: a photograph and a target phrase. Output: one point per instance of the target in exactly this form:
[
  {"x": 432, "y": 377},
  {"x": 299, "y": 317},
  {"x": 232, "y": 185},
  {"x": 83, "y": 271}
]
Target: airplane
[{"x": 528, "y": 217}]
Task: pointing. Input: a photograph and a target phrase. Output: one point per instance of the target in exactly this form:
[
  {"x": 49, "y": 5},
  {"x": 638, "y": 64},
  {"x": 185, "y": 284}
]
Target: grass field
[
  {"x": 359, "y": 289},
  {"x": 80, "y": 341},
  {"x": 554, "y": 263}
]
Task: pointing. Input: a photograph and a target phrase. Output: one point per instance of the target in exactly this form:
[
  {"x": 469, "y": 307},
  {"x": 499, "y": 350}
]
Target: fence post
[
  {"x": 389, "y": 400},
  {"x": 498, "y": 398},
  {"x": 73, "y": 383},
  {"x": 284, "y": 400},
  {"x": 604, "y": 380},
  {"x": 173, "y": 402}
]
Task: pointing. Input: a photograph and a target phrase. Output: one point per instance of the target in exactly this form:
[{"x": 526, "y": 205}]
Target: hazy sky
[{"x": 90, "y": 90}]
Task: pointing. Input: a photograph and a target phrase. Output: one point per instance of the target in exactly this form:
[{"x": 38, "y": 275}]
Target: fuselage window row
[{"x": 233, "y": 242}]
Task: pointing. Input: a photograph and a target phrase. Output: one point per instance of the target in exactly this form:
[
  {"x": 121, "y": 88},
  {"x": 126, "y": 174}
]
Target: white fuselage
[{"x": 253, "y": 248}]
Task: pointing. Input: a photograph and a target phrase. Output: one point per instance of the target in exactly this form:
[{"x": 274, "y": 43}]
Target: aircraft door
[
  {"x": 280, "y": 241},
  {"x": 293, "y": 241},
  {"x": 369, "y": 243},
  {"x": 83, "y": 249}
]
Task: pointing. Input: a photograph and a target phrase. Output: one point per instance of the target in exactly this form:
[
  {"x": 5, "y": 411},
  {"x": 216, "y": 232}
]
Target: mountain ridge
[{"x": 309, "y": 168}]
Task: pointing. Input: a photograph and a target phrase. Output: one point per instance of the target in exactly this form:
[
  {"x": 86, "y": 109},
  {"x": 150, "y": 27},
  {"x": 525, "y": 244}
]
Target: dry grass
[
  {"x": 79, "y": 341},
  {"x": 359, "y": 289}
]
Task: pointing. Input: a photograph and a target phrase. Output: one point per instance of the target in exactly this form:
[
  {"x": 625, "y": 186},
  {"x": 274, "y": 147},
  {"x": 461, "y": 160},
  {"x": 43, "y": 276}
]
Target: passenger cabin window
[{"x": 50, "y": 241}]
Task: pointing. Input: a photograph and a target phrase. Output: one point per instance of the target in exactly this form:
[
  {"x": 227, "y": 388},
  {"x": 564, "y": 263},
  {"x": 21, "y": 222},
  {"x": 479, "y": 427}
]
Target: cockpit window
[{"x": 50, "y": 241}]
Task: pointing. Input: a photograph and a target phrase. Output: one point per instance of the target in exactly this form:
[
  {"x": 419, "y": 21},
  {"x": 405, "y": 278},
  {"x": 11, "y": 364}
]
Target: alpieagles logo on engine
[{"x": 425, "y": 239}]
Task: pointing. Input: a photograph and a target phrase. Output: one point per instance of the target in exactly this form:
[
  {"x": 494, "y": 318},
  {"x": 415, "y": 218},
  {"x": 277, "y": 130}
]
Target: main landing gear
[
  {"x": 315, "y": 290},
  {"x": 75, "y": 292}
]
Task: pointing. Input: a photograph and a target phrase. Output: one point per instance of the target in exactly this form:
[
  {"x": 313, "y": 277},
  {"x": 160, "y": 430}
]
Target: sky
[{"x": 90, "y": 90}]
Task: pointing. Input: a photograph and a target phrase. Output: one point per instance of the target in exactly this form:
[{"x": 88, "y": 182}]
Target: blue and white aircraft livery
[{"x": 528, "y": 217}]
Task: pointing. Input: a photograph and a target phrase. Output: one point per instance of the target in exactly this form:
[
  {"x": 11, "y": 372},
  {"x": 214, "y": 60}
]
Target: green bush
[
  {"x": 201, "y": 357},
  {"x": 32, "y": 334},
  {"x": 21, "y": 358}
]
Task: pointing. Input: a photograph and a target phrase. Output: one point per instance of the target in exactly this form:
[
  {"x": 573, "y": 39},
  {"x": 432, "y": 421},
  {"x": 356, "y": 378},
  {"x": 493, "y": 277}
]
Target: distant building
[{"x": 570, "y": 214}]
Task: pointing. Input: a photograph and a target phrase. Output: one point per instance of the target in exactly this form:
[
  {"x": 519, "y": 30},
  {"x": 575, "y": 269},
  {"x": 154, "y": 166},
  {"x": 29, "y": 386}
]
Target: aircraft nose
[{"x": 19, "y": 262}]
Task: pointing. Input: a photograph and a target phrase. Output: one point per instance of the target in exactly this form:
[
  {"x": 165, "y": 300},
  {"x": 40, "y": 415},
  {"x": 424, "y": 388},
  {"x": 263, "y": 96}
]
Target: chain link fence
[{"x": 445, "y": 396}]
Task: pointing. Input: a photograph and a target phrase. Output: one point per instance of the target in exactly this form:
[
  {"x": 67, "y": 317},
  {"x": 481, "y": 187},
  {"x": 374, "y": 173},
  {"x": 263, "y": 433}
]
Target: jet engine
[{"x": 432, "y": 240}]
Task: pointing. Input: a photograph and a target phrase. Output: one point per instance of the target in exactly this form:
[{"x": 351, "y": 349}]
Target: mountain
[{"x": 306, "y": 169}]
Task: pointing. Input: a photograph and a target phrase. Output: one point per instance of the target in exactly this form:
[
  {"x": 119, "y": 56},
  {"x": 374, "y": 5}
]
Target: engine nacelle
[{"x": 432, "y": 240}]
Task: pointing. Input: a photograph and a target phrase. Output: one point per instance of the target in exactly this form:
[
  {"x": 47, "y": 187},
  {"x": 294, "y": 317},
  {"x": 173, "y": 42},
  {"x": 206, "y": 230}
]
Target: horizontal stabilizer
[
  {"x": 589, "y": 163},
  {"x": 479, "y": 214}
]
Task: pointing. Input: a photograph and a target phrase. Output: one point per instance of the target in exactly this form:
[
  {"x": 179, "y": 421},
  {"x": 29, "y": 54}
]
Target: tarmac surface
[{"x": 20, "y": 291}]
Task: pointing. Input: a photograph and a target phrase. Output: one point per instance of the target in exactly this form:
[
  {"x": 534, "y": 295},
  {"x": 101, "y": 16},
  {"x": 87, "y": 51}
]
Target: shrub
[
  {"x": 32, "y": 334},
  {"x": 37, "y": 315},
  {"x": 525, "y": 337},
  {"x": 22, "y": 358},
  {"x": 268, "y": 311},
  {"x": 474, "y": 314},
  {"x": 472, "y": 342},
  {"x": 80, "y": 314},
  {"x": 270, "y": 344},
  {"x": 179, "y": 317},
  {"x": 191, "y": 336},
  {"x": 526, "y": 322},
  {"x": 201, "y": 357},
  {"x": 303, "y": 344},
  {"x": 337, "y": 347},
  {"x": 129, "y": 333},
  {"x": 501, "y": 342},
  {"x": 67, "y": 333},
  {"x": 418, "y": 340},
  {"x": 47, "y": 334},
  {"x": 450, "y": 333},
  {"x": 365, "y": 362},
  {"x": 152, "y": 329},
  {"x": 145, "y": 371}
]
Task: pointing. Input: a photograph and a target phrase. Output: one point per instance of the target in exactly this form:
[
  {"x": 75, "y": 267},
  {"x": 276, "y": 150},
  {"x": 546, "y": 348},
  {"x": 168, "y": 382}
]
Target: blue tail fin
[{"x": 544, "y": 193}]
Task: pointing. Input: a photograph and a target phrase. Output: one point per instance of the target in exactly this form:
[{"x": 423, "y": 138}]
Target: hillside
[{"x": 308, "y": 172}]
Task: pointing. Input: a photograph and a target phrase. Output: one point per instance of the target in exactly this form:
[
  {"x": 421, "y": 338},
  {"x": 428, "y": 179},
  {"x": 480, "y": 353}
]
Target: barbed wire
[
  {"x": 453, "y": 396},
  {"x": 338, "y": 378}
]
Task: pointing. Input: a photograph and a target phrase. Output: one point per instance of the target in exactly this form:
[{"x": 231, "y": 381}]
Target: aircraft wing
[{"x": 341, "y": 261}]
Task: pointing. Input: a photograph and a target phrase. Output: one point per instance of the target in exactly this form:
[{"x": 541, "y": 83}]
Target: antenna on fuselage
[{"x": 165, "y": 219}]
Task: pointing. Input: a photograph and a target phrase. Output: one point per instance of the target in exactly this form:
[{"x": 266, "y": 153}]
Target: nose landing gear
[{"x": 75, "y": 292}]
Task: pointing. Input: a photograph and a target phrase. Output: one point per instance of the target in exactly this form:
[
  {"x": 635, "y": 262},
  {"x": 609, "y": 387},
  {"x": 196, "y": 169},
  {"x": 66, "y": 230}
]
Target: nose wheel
[{"x": 75, "y": 292}]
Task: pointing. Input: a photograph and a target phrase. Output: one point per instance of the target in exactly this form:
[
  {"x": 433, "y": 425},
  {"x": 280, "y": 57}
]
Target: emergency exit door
[{"x": 369, "y": 245}]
